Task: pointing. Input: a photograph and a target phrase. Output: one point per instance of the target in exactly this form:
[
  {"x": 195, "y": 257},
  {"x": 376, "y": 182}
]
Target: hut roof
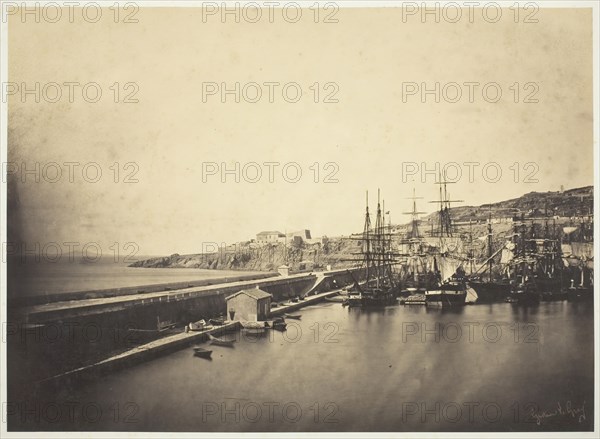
[{"x": 255, "y": 293}]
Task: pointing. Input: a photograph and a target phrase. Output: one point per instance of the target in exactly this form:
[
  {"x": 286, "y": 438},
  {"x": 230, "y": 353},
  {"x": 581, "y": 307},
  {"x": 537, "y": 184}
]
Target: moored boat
[
  {"x": 220, "y": 341},
  {"x": 575, "y": 294},
  {"x": 490, "y": 291},
  {"x": 293, "y": 316},
  {"x": 525, "y": 294},
  {"x": 200, "y": 325},
  {"x": 449, "y": 294},
  {"x": 372, "y": 297},
  {"x": 451, "y": 290},
  {"x": 279, "y": 325},
  {"x": 256, "y": 328},
  {"x": 380, "y": 287},
  {"x": 203, "y": 353},
  {"x": 246, "y": 324},
  {"x": 218, "y": 321}
]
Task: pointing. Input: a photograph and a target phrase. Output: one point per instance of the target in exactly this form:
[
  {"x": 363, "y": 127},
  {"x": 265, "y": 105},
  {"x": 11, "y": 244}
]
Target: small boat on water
[
  {"x": 293, "y": 316},
  {"x": 218, "y": 321},
  {"x": 336, "y": 299},
  {"x": 220, "y": 341},
  {"x": 202, "y": 353},
  {"x": 255, "y": 331},
  {"x": 252, "y": 325},
  {"x": 255, "y": 328},
  {"x": 278, "y": 324},
  {"x": 200, "y": 325}
]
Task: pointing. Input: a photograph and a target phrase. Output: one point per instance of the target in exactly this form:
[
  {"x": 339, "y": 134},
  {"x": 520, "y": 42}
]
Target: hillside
[
  {"x": 569, "y": 203},
  {"x": 250, "y": 256},
  {"x": 564, "y": 208}
]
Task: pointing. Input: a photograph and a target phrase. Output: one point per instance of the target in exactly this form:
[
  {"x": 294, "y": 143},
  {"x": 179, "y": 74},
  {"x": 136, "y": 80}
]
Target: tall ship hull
[
  {"x": 448, "y": 295},
  {"x": 372, "y": 298},
  {"x": 527, "y": 294},
  {"x": 489, "y": 292},
  {"x": 578, "y": 294}
]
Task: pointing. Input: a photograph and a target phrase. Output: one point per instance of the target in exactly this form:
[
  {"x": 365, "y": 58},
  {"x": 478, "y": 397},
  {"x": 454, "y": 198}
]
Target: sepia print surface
[{"x": 299, "y": 217}]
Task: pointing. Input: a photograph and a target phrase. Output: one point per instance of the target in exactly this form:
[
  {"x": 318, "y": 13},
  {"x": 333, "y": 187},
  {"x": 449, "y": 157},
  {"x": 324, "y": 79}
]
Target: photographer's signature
[{"x": 575, "y": 412}]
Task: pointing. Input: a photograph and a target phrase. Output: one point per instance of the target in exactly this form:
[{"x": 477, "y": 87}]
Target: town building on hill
[{"x": 269, "y": 237}]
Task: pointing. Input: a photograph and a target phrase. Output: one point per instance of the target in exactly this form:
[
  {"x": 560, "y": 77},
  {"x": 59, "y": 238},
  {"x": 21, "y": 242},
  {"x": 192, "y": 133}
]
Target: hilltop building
[{"x": 269, "y": 237}]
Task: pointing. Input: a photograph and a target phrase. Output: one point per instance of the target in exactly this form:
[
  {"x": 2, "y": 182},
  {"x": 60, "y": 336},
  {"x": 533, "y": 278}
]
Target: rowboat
[
  {"x": 293, "y": 316},
  {"x": 278, "y": 324},
  {"x": 203, "y": 353},
  {"x": 220, "y": 342},
  {"x": 200, "y": 325},
  {"x": 252, "y": 325}
]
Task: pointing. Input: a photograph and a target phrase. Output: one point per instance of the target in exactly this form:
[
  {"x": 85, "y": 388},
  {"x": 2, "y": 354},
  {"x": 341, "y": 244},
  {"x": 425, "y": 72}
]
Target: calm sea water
[
  {"x": 481, "y": 368},
  {"x": 38, "y": 278}
]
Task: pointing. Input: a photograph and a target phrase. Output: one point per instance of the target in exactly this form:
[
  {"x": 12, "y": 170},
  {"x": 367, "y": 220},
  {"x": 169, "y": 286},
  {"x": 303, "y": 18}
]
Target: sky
[{"x": 370, "y": 128}]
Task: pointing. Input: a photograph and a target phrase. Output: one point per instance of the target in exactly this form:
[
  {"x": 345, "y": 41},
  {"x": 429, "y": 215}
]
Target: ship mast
[
  {"x": 414, "y": 237},
  {"x": 489, "y": 244},
  {"x": 471, "y": 253},
  {"x": 444, "y": 220},
  {"x": 378, "y": 236},
  {"x": 414, "y": 232},
  {"x": 367, "y": 240}
]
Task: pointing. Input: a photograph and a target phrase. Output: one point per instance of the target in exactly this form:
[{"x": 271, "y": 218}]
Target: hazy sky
[{"x": 370, "y": 55}]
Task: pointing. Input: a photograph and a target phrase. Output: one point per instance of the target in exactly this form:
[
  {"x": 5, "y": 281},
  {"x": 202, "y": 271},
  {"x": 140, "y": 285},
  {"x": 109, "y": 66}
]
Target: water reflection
[{"x": 340, "y": 369}]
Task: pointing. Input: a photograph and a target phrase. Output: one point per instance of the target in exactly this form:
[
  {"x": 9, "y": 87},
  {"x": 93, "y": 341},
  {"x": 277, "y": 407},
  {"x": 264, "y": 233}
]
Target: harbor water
[
  {"x": 33, "y": 278},
  {"x": 495, "y": 367}
]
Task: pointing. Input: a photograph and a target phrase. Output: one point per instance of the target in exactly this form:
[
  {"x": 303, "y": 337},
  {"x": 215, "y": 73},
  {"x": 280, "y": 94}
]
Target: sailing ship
[
  {"x": 482, "y": 279},
  {"x": 578, "y": 255},
  {"x": 417, "y": 274},
  {"x": 379, "y": 287},
  {"x": 452, "y": 288},
  {"x": 522, "y": 268},
  {"x": 537, "y": 269}
]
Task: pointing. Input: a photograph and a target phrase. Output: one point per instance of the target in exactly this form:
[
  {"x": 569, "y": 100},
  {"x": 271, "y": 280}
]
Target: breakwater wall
[
  {"x": 59, "y": 336},
  {"x": 138, "y": 289}
]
